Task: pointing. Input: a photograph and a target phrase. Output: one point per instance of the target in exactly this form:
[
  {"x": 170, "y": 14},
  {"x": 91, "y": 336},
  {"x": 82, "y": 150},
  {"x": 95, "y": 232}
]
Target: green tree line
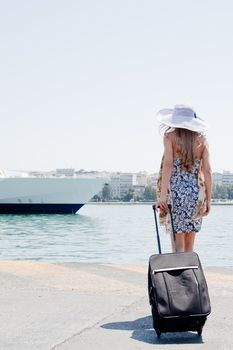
[
  {"x": 222, "y": 192},
  {"x": 149, "y": 194}
]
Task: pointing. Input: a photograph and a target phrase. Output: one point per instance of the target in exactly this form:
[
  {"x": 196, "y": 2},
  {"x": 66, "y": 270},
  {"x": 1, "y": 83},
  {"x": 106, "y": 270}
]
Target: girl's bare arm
[
  {"x": 166, "y": 171},
  {"x": 207, "y": 171}
]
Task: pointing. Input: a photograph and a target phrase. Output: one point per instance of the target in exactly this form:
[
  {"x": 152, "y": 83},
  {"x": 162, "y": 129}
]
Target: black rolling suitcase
[{"x": 178, "y": 293}]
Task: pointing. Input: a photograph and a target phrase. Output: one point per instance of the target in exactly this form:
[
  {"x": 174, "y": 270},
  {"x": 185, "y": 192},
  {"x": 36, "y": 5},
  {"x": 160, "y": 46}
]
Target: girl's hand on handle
[
  {"x": 162, "y": 203},
  {"x": 207, "y": 210}
]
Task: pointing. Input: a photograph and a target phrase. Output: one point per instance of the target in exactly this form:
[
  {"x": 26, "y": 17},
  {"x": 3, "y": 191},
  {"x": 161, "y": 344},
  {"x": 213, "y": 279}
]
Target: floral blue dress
[{"x": 184, "y": 191}]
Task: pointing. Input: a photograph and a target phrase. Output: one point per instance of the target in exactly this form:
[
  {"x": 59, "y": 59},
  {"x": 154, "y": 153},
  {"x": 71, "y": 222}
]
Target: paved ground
[{"x": 73, "y": 306}]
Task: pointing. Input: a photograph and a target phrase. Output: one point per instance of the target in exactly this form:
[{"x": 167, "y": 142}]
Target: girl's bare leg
[
  {"x": 180, "y": 240},
  {"x": 189, "y": 241}
]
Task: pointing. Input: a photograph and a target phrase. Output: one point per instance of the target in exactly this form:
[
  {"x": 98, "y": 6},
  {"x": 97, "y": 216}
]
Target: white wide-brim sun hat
[{"x": 181, "y": 116}]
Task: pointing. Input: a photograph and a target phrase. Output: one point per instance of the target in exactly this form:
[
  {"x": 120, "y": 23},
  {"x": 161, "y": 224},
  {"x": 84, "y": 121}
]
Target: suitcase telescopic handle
[
  {"x": 157, "y": 228},
  {"x": 172, "y": 225}
]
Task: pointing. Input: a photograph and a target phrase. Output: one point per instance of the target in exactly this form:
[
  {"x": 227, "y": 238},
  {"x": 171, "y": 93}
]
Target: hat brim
[{"x": 165, "y": 116}]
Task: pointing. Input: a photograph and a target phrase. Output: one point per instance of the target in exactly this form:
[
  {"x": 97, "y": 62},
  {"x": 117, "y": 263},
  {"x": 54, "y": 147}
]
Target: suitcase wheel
[
  {"x": 199, "y": 332},
  {"x": 158, "y": 332}
]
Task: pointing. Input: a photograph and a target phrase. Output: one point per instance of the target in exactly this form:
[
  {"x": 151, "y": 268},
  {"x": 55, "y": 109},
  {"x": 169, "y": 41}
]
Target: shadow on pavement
[{"x": 143, "y": 331}]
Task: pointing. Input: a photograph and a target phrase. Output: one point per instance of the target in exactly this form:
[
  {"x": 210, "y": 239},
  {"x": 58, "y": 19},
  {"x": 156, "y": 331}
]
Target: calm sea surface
[{"x": 108, "y": 234}]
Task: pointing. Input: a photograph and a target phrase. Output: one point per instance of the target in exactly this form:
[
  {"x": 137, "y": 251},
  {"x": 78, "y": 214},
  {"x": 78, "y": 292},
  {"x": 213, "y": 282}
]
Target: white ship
[{"x": 24, "y": 194}]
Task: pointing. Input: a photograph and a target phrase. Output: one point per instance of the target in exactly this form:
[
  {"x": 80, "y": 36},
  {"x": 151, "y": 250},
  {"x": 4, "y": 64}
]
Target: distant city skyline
[
  {"x": 142, "y": 172},
  {"x": 81, "y": 81}
]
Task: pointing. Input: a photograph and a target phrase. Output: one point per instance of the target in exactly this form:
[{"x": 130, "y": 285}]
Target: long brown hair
[{"x": 185, "y": 141}]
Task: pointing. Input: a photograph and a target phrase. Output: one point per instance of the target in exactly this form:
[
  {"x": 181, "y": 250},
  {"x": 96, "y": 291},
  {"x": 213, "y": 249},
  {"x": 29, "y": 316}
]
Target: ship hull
[
  {"x": 46, "y": 195},
  {"x": 39, "y": 208}
]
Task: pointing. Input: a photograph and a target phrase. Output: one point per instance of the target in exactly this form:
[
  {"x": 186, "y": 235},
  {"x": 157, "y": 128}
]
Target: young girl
[{"x": 185, "y": 175}]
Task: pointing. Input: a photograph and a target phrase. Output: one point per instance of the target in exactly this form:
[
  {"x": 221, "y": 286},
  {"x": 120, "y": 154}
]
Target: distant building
[
  {"x": 121, "y": 183},
  {"x": 115, "y": 185},
  {"x": 141, "y": 179},
  {"x": 227, "y": 178},
  {"x": 128, "y": 180},
  {"x": 217, "y": 178},
  {"x": 152, "y": 179},
  {"x": 38, "y": 173},
  {"x": 65, "y": 172},
  {"x": 139, "y": 190}
]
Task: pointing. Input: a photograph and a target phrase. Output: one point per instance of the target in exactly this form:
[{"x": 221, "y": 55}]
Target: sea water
[{"x": 108, "y": 234}]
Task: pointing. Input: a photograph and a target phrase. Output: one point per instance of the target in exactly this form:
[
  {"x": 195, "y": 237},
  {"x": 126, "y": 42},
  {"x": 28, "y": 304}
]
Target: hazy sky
[{"x": 81, "y": 81}]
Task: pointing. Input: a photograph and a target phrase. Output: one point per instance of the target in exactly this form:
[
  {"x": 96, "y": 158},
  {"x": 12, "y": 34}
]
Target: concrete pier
[{"x": 71, "y": 306}]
